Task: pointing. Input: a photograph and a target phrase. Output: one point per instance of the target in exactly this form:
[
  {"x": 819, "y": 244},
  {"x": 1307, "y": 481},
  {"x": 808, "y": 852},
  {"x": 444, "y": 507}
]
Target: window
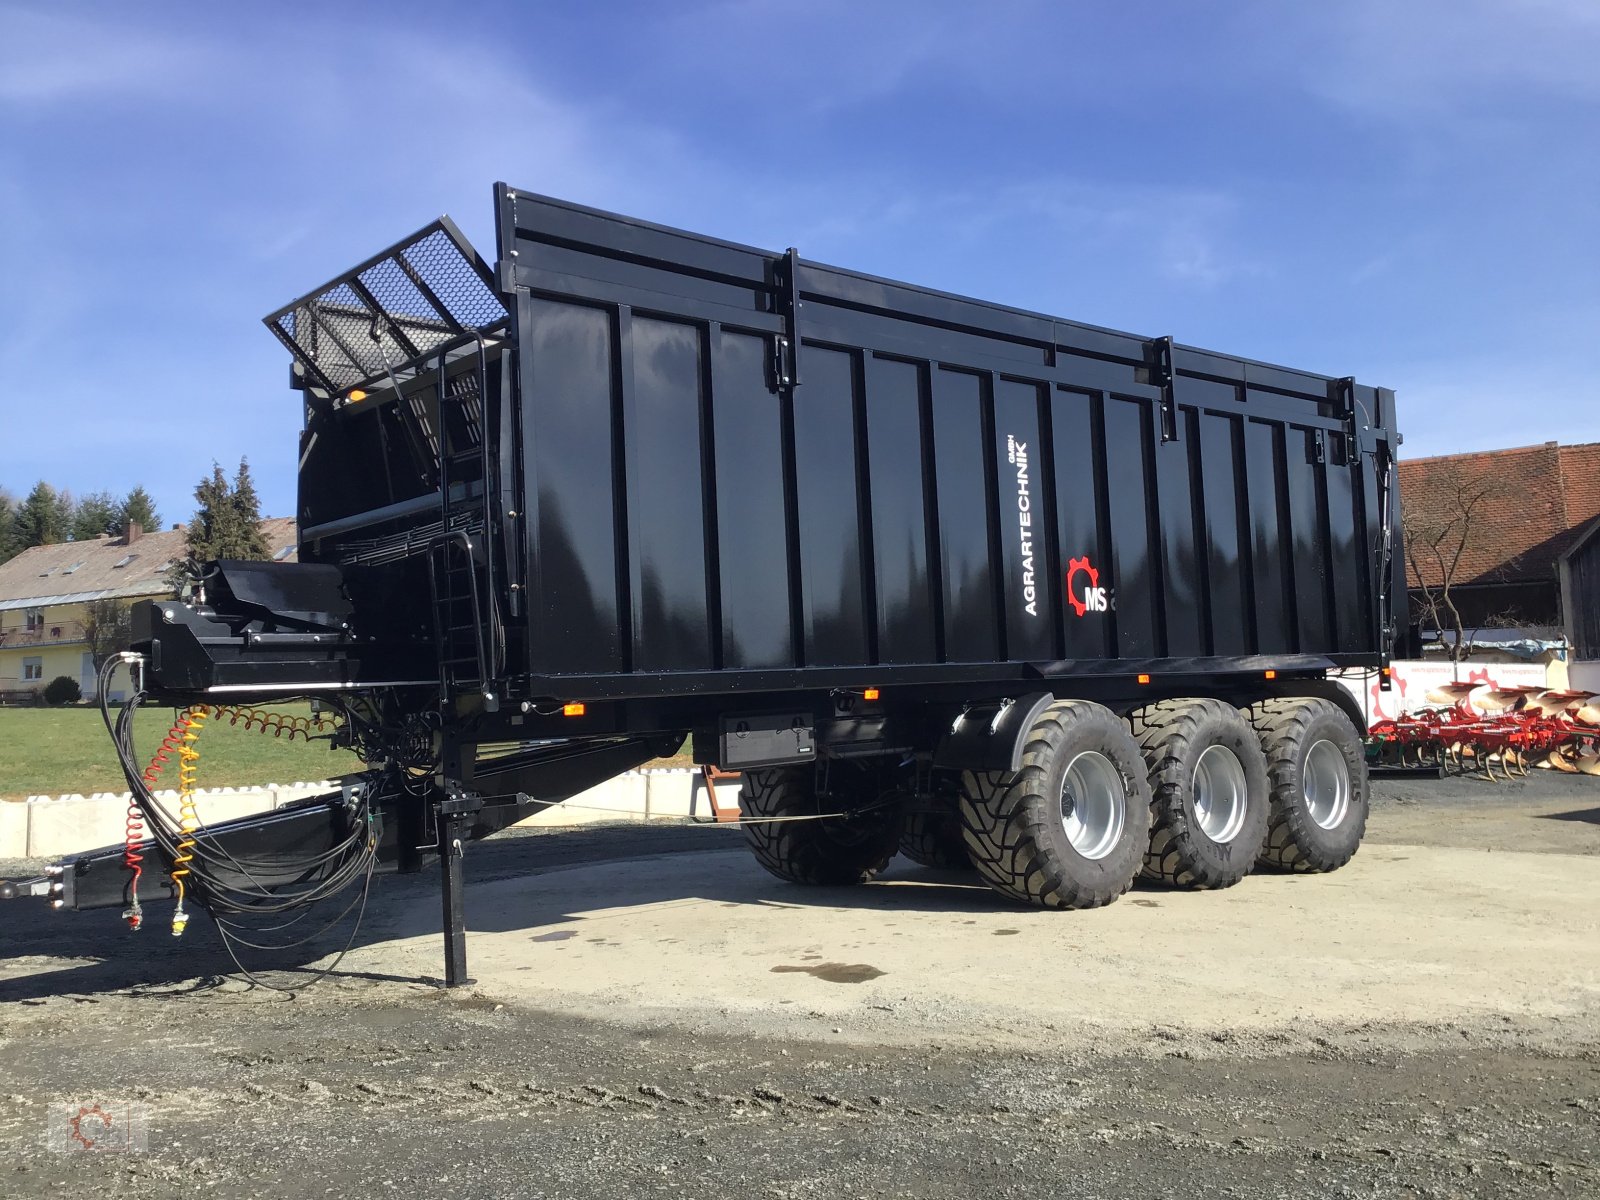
[
  {"x": 283, "y": 554},
  {"x": 123, "y": 561},
  {"x": 32, "y": 669},
  {"x": 35, "y": 618},
  {"x": 72, "y": 568}
]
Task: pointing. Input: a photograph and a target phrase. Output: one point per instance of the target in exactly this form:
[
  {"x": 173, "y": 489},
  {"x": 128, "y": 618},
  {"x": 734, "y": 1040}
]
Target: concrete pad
[{"x": 1405, "y": 934}]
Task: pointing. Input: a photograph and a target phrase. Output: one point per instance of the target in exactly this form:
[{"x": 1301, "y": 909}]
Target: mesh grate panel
[
  {"x": 465, "y": 416},
  {"x": 419, "y": 294}
]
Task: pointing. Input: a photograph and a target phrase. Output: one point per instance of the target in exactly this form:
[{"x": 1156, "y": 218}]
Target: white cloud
[
  {"x": 1425, "y": 58},
  {"x": 1182, "y": 234},
  {"x": 48, "y": 57}
]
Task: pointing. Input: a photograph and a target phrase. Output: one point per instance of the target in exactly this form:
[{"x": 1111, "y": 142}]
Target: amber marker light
[
  {"x": 574, "y": 709},
  {"x": 870, "y": 694},
  {"x": 355, "y": 397},
  {"x": 1271, "y": 674},
  {"x": 1144, "y": 679}
]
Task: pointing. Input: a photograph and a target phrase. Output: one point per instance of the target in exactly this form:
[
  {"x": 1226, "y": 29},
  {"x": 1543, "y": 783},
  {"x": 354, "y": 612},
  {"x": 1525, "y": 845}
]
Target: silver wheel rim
[
  {"x": 1221, "y": 796},
  {"x": 1325, "y": 784},
  {"x": 1093, "y": 804}
]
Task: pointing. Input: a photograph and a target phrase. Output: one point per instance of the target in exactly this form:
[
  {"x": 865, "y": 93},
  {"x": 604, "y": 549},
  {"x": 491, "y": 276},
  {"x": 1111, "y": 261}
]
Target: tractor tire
[
  {"x": 827, "y": 853},
  {"x": 1209, "y": 796},
  {"x": 1069, "y": 829},
  {"x": 1318, "y": 771},
  {"x": 934, "y": 840}
]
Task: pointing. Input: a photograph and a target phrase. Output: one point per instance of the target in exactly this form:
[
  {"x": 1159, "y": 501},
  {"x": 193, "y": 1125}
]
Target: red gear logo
[
  {"x": 1073, "y": 567},
  {"x": 76, "y": 1124}
]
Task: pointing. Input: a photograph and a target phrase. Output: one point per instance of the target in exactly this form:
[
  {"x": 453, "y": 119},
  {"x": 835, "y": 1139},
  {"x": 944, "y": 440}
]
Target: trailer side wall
[{"x": 949, "y": 482}]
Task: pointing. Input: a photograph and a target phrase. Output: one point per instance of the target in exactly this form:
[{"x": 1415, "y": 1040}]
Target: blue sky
[{"x": 1406, "y": 192}]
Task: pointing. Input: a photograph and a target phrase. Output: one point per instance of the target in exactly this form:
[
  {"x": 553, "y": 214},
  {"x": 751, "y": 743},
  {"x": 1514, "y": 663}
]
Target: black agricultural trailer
[{"x": 1003, "y": 591}]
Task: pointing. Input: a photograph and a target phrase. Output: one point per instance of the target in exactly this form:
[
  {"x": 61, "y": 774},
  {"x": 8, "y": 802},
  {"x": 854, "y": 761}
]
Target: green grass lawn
[{"x": 53, "y": 751}]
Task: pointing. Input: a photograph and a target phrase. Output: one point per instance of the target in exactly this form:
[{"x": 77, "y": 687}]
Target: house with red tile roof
[
  {"x": 46, "y": 595},
  {"x": 1496, "y": 525}
]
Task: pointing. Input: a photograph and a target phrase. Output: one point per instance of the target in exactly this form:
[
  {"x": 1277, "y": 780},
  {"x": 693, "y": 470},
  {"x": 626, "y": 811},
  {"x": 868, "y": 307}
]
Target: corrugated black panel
[
  {"x": 1263, "y": 446},
  {"x": 1227, "y": 573},
  {"x": 1351, "y": 569},
  {"x": 825, "y": 480},
  {"x": 1129, "y": 484},
  {"x": 747, "y": 420},
  {"x": 567, "y": 389},
  {"x": 970, "y": 632},
  {"x": 667, "y": 554},
  {"x": 1079, "y": 519},
  {"x": 1183, "y": 573},
  {"x": 896, "y": 456},
  {"x": 1309, "y": 540},
  {"x": 1029, "y": 585}
]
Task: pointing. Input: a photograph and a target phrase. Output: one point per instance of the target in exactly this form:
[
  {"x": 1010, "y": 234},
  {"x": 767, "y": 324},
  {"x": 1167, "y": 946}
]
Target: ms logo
[{"x": 1085, "y": 595}]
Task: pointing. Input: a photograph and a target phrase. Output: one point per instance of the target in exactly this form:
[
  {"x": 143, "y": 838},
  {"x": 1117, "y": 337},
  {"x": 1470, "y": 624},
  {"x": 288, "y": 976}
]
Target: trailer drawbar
[{"x": 1003, "y": 592}]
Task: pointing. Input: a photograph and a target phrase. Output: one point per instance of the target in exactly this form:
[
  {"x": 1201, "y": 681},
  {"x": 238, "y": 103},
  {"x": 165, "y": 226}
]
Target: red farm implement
[{"x": 1500, "y": 732}]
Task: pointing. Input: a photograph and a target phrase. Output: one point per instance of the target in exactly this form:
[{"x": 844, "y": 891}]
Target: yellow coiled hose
[
  {"x": 188, "y": 818},
  {"x": 187, "y": 735}
]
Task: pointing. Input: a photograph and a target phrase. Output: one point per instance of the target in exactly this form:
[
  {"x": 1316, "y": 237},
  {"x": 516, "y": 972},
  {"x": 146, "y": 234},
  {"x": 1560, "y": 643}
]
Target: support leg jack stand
[{"x": 454, "y": 814}]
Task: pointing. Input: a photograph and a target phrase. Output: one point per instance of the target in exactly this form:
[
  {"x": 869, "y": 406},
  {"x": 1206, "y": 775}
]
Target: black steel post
[
  {"x": 453, "y": 810},
  {"x": 450, "y": 889}
]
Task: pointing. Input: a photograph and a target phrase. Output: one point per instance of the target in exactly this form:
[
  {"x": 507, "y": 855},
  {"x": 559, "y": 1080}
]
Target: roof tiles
[
  {"x": 1532, "y": 501},
  {"x": 71, "y": 571}
]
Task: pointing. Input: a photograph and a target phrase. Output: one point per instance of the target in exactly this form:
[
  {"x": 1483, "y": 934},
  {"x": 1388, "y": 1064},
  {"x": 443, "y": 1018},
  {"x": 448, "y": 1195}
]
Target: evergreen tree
[
  {"x": 137, "y": 506},
  {"x": 247, "y": 515},
  {"x": 94, "y": 516},
  {"x": 227, "y": 520},
  {"x": 39, "y": 520},
  {"x": 67, "y": 510},
  {"x": 210, "y": 529},
  {"x": 8, "y": 541}
]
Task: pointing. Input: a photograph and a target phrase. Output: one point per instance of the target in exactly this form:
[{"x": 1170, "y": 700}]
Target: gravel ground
[{"x": 375, "y": 1084}]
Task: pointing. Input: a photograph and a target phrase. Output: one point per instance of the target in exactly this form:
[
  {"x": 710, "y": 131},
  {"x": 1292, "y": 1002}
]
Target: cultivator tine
[{"x": 1487, "y": 759}]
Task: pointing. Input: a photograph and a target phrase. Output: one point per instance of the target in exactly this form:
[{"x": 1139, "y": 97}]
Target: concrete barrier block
[
  {"x": 620, "y": 799},
  {"x": 728, "y": 795},
  {"x": 667, "y": 793},
  {"x": 288, "y": 793},
  {"x": 212, "y": 807},
  {"x": 14, "y": 828},
  {"x": 72, "y": 823},
  {"x": 49, "y": 826}
]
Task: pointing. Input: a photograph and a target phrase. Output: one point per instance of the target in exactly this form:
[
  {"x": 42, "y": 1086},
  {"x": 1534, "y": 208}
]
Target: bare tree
[
  {"x": 107, "y": 629},
  {"x": 1438, "y": 537}
]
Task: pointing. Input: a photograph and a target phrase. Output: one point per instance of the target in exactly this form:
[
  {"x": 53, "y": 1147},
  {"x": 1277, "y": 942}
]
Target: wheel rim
[
  {"x": 1093, "y": 804},
  {"x": 1326, "y": 784},
  {"x": 1221, "y": 795}
]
